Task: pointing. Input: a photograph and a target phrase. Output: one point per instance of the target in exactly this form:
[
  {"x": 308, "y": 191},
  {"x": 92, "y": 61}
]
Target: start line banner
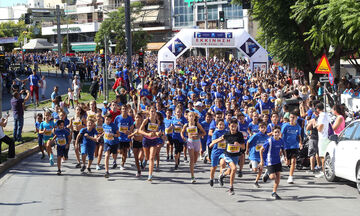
[{"x": 213, "y": 39}]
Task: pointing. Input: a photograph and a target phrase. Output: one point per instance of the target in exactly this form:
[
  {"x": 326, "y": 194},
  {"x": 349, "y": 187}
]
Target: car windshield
[{"x": 74, "y": 59}]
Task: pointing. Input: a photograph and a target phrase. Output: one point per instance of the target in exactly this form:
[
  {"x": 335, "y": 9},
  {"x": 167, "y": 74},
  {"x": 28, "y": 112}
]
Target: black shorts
[
  {"x": 170, "y": 139},
  {"x": 101, "y": 141},
  {"x": 179, "y": 145},
  {"x": 112, "y": 148},
  {"x": 75, "y": 134},
  {"x": 137, "y": 144},
  {"x": 274, "y": 168},
  {"x": 123, "y": 145},
  {"x": 291, "y": 153}
]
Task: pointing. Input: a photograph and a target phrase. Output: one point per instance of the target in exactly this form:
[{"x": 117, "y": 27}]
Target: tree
[
  {"x": 114, "y": 27},
  {"x": 64, "y": 45}
]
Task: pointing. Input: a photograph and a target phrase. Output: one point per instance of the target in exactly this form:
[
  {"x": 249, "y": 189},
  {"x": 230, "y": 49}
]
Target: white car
[{"x": 342, "y": 158}]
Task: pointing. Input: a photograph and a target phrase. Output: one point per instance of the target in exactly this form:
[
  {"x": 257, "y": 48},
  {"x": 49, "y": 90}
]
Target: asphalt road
[{"x": 33, "y": 188}]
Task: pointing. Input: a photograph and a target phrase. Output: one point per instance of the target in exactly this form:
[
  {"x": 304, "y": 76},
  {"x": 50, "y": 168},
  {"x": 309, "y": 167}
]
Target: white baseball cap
[{"x": 198, "y": 104}]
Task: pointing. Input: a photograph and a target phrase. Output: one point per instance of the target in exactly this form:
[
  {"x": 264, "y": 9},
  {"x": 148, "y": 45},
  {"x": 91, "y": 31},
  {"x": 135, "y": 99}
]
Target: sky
[{"x": 7, "y": 3}]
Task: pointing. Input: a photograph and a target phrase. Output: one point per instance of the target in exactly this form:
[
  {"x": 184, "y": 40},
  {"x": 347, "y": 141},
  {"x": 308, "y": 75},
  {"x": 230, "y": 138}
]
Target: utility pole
[
  {"x": 206, "y": 26},
  {"x": 58, "y": 13},
  {"x": 106, "y": 95},
  {"x": 67, "y": 27},
  {"x": 128, "y": 36}
]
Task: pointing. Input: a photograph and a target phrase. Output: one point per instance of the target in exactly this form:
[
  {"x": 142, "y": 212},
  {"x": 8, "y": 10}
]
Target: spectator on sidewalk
[
  {"x": 6, "y": 139},
  {"x": 17, "y": 106},
  {"x": 35, "y": 82},
  {"x": 54, "y": 95},
  {"x": 94, "y": 87},
  {"x": 43, "y": 87}
]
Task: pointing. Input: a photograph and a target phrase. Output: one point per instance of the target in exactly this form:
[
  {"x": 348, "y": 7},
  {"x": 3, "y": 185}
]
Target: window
[
  {"x": 89, "y": 17},
  {"x": 357, "y": 132},
  {"x": 232, "y": 11},
  {"x": 183, "y": 15},
  {"x": 348, "y": 132}
]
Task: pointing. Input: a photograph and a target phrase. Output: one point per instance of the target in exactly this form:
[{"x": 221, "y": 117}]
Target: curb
[{"x": 18, "y": 158}]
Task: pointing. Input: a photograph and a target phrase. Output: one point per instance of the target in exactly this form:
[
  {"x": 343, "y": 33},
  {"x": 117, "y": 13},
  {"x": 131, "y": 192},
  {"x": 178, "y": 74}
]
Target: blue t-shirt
[
  {"x": 34, "y": 80},
  {"x": 109, "y": 131},
  {"x": 272, "y": 148},
  {"x": 124, "y": 125},
  {"x": 255, "y": 143},
  {"x": 264, "y": 108},
  {"x": 87, "y": 141},
  {"x": 48, "y": 129},
  {"x": 62, "y": 136},
  {"x": 254, "y": 128},
  {"x": 243, "y": 129},
  {"x": 206, "y": 127},
  {"x": 53, "y": 96},
  {"x": 218, "y": 147},
  {"x": 167, "y": 123},
  {"x": 290, "y": 136},
  {"x": 178, "y": 125},
  {"x": 37, "y": 126}
]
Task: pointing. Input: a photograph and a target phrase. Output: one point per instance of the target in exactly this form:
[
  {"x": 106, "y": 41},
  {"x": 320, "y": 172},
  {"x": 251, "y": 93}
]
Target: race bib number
[
  {"x": 168, "y": 131},
  {"x": 47, "y": 132},
  {"x": 231, "y": 148},
  {"x": 245, "y": 135},
  {"x": 77, "y": 123},
  {"x": 266, "y": 112},
  {"x": 192, "y": 130},
  {"x": 177, "y": 129},
  {"x": 61, "y": 141},
  {"x": 208, "y": 106},
  {"x": 221, "y": 145},
  {"x": 109, "y": 136},
  {"x": 91, "y": 116},
  {"x": 99, "y": 129},
  {"x": 153, "y": 127},
  {"x": 123, "y": 129},
  {"x": 258, "y": 147}
]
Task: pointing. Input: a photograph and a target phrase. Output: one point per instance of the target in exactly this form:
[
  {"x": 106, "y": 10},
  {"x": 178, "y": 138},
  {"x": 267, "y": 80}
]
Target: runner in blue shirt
[
  {"x": 110, "y": 133},
  {"x": 205, "y": 139},
  {"x": 270, "y": 157},
  {"x": 178, "y": 122},
  {"x": 291, "y": 134},
  {"x": 242, "y": 128},
  {"x": 253, "y": 147},
  {"x": 168, "y": 133},
  {"x": 62, "y": 138},
  {"x": 46, "y": 129}
]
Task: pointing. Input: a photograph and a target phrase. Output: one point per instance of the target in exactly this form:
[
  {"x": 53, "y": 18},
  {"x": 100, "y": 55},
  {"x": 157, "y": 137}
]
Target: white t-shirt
[
  {"x": 43, "y": 84},
  {"x": 324, "y": 119}
]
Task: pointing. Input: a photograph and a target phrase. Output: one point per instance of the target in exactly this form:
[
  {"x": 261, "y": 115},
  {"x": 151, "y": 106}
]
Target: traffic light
[
  {"x": 246, "y": 4},
  {"x": 2, "y": 62},
  {"x": 141, "y": 59},
  {"x": 221, "y": 16},
  {"x": 102, "y": 60},
  {"x": 27, "y": 18}
]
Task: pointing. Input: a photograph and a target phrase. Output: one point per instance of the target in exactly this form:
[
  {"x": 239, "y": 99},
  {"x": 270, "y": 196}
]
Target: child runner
[
  {"x": 234, "y": 145},
  {"x": 178, "y": 122},
  {"x": 253, "y": 147},
  {"x": 100, "y": 144},
  {"x": 168, "y": 133},
  {"x": 126, "y": 125},
  {"x": 88, "y": 143},
  {"x": 137, "y": 142},
  {"x": 217, "y": 148},
  {"x": 160, "y": 140},
  {"x": 77, "y": 123},
  {"x": 46, "y": 129},
  {"x": 39, "y": 119},
  {"x": 194, "y": 131},
  {"x": 291, "y": 135},
  {"x": 270, "y": 157},
  {"x": 62, "y": 138},
  {"x": 243, "y": 126},
  {"x": 150, "y": 130},
  {"x": 110, "y": 132},
  {"x": 205, "y": 140}
]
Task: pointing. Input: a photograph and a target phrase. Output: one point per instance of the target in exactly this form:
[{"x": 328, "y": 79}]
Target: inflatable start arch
[{"x": 212, "y": 38}]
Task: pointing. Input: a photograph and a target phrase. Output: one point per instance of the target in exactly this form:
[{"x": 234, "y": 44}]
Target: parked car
[
  {"x": 342, "y": 158},
  {"x": 79, "y": 63}
]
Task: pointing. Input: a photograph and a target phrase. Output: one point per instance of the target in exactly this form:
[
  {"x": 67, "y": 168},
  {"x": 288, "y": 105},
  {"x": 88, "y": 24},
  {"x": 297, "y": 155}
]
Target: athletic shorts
[
  {"x": 179, "y": 146},
  {"x": 160, "y": 142},
  {"x": 40, "y": 140},
  {"x": 123, "y": 145},
  {"x": 193, "y": 144},
  {"x": 112, "y": 148},
  {"x": 137, "y": 144},
  {"x": 101, "y": 141},
  {"x": 88, "y": 150},
  {"x": 203, "y": 144},
  {"x": 228, "y": 159},
  {"x": 61, "y": 150},
  {"x": 323, "y": 144},
  {"x": 215, "y": 157},
  {"x": 254, "y": 163},
  {"x": 147, "y": 143},
  {"x": 274, "y": 168},
  {"x": 75, "y": 134},
  {"x": 170, "y": 139},
  {"x": 313, "y": 148},
  {"x": 291, "y": 153}
]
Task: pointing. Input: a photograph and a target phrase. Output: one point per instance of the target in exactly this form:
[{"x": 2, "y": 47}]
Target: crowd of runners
[{"x": 214, "y": 111}]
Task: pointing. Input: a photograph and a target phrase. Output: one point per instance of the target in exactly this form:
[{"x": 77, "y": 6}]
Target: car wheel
[
  {"x": 329, "y": 169},
  {"x": 358, "y": 179}
]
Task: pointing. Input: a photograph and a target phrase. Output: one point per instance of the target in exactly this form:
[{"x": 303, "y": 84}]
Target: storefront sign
[{"x": 6, "y": 40}]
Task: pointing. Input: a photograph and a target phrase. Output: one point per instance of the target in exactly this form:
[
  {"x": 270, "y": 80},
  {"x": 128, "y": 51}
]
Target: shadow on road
[{"x": 19, "y": 204}]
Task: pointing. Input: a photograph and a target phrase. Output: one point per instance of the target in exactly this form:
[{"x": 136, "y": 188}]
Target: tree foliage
[
  {"x": 299, "y": 32},
  {"x": 114, "y": 27}
]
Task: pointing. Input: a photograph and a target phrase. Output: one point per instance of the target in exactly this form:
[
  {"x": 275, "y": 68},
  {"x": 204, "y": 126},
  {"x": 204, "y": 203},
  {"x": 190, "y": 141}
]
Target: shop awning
[{"x": 154, "y": 46}]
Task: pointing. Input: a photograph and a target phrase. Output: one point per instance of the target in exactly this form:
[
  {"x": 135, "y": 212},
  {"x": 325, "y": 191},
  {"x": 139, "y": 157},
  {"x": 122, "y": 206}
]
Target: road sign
[
  {"x": 331, "y": 78},
  {"x": 324, "y": 79},
  {"x": 324, "y": 66},
  {"x": 142, "y": 73},
  {"x": 144, "y": 93}
]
